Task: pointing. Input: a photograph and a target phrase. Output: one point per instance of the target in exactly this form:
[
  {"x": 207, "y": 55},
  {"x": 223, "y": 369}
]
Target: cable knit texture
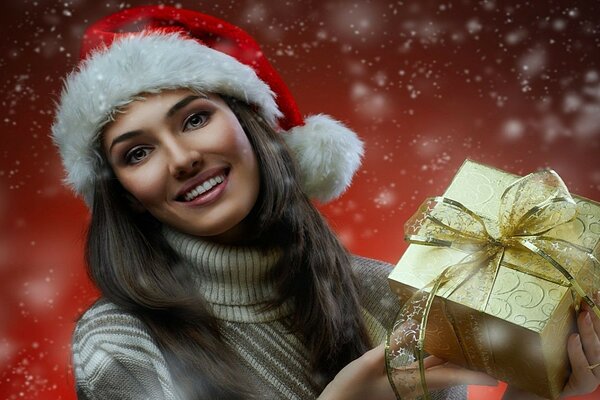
[
  {"x": 233, "y": 279},
  {"x": 116, "y": 358}
]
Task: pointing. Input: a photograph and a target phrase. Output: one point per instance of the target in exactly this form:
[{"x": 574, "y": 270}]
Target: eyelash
[
  {"x": 130, "y": 153},
  {"x": 204, "y": 114}
]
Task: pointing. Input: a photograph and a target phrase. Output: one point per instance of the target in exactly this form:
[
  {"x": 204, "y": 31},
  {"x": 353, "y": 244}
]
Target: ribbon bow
[{"x": 530, "y": 208}]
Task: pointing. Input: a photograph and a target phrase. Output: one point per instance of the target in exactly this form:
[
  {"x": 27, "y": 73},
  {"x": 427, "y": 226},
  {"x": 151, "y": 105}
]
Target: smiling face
[{"x": 186, "y": 160}]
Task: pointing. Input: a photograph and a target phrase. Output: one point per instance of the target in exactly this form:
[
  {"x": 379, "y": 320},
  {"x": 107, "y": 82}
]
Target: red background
[{"x": 426, "y": 84}]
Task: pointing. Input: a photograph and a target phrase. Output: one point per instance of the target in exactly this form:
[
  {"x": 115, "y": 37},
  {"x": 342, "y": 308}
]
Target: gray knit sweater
[{"x": 115, "y": 357}]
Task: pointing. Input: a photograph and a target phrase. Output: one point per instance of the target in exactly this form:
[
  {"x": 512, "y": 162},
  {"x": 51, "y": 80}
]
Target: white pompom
[{"x": 328, "y": 154}]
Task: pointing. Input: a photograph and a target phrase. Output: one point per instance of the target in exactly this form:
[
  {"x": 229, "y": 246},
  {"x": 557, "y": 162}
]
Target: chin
[{"x": 231, "y": 231}]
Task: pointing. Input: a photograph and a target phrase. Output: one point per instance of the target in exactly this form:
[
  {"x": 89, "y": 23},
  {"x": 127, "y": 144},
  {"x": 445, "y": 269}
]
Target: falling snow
[{"x": 425, "y": 84}]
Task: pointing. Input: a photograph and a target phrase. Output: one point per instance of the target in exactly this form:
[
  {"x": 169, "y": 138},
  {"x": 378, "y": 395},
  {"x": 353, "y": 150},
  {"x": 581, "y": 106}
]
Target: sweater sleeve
[
  {"x": 380, "y": 307},
  {"x": 114, "y": 357}
]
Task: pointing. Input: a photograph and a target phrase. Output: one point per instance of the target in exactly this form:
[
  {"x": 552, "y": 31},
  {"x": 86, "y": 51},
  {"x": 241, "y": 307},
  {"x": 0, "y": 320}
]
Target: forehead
[{"x": 165, "y": 98}]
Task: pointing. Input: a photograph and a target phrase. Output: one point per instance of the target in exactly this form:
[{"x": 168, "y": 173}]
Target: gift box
[{"x": 503, "y": 307}]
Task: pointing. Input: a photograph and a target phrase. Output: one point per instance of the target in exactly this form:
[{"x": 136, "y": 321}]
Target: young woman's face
[{"x": 187, "y": 161}]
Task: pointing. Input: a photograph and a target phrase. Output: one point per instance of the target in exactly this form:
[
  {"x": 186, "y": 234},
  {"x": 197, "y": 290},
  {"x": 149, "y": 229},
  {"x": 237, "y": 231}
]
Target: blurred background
[{"x": 426, "y": 84}]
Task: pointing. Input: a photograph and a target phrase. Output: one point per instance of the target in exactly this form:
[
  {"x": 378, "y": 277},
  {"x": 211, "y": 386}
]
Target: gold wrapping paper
[{"x": 511, "y": 318}]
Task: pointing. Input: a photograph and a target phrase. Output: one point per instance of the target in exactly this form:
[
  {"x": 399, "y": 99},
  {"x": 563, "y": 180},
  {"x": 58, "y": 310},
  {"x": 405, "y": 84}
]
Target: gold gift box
[{"x": 520, "y": 337}]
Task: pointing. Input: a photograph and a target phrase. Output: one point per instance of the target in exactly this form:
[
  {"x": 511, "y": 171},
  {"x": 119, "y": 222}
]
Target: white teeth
[{"x": 203, "y": 187}]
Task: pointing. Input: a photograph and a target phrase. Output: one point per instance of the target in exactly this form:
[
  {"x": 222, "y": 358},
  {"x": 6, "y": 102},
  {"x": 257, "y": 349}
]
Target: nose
[{"x": 183, "y": 160}]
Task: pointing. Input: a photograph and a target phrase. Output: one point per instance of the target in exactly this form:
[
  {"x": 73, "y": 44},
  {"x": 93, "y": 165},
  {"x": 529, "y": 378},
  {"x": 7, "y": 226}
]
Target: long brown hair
[{"x": 132, "y": 265}]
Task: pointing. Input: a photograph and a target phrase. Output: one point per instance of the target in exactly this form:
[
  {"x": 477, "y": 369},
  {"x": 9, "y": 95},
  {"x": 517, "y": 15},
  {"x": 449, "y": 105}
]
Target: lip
[
  {"x": 200, "y": 178},
  {"x": 209, "y": 197}
]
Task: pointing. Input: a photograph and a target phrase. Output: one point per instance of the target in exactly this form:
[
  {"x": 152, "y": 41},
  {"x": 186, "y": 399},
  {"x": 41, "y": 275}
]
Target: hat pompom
[{"x": 328, "y": 155}]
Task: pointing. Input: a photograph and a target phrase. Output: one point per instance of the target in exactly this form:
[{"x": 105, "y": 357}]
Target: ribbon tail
[
  {"x": 405, "y": 342},
  {"x": 497, "y": 261},
  {"x": 423, "y": 331},
  {"x": 388, "y": 367}
]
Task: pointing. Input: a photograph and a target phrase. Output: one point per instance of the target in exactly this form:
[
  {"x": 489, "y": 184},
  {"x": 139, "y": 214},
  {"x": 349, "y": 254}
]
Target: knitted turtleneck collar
[{"x": 233, "y": 279}]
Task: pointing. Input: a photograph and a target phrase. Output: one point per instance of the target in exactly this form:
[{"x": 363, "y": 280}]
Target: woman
[{"x": 219, "y": 278}]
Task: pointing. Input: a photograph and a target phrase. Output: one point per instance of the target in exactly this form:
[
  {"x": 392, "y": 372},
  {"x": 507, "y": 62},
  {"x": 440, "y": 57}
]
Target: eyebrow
[
  {"x": 178, "y": 106},
  {"x": 184, "y": 102},
  {"x": 124, "y": 137}
]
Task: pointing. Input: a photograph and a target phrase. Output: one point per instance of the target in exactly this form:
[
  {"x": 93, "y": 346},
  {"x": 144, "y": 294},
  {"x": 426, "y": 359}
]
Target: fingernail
[
  {"x": 577, "y": 338},
  {"x": 587, "y": 319}
]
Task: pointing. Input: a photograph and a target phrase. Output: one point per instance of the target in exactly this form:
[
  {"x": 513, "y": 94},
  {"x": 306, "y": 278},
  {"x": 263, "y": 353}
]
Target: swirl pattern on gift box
[
  {"x": 482, "y": 189},
  {"x": 523, "y": 300},
  {"x": 530, "y": 208}
]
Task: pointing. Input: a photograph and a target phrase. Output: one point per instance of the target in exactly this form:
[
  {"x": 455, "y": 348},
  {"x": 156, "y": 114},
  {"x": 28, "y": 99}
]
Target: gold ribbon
[{"x": 530, "y": 208}]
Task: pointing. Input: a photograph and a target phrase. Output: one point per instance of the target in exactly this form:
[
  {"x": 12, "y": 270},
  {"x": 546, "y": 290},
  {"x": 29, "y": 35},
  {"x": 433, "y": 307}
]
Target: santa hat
[{"x": 154, "y": 48}]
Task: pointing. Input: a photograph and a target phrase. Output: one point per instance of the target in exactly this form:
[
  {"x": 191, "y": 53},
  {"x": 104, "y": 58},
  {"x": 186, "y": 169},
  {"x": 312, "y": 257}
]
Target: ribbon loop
[
  {"x": 442, "y": 219},
  {"x": 535, "y": 204}
]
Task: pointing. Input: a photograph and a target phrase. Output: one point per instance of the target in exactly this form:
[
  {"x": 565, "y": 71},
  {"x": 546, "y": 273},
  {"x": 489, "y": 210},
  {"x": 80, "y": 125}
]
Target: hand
[
  {"x": 584, "y": 350},
  {"x": 366, "y": 379}
]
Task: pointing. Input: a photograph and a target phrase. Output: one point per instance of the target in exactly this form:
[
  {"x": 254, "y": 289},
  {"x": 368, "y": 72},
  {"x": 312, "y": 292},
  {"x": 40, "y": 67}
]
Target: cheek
[
  {"x": 147, "y": 185},
  {"x": 248, "y": 154},
  {"x": 237, "y": 146},
  {"x": 248, "y": 160},
  {"x": 242, "y": 146}
]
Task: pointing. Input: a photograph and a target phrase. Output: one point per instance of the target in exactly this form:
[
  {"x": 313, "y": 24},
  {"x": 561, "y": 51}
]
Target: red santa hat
[{"x": 155, "y": 48}]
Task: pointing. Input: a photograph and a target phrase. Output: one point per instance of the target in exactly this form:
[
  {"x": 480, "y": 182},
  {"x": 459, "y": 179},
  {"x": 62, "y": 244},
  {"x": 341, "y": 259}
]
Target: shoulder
[
  {"x": 372, "y": 276},
  {"x": 106, "y": 326},
  {"x": 371, "y": 267},
  {"x": 105, "y": 314},
  {"x": 115, "y": 356}
]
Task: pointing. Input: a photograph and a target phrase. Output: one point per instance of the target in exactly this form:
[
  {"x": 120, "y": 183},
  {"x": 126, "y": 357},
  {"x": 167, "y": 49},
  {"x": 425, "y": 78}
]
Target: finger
[
  {"x": 407, "y": 382},
  {"x": 375, "y": 356},
  {"x": 428, "y": 362},
  {"x": 404, "y": 334},
  {"x": 589, "y": 339},
  {"x": 582, "y": 380},
  {"x": 408, "y": 378},
  {"x": 377, "y": 350},
  {"x": 452, "y": 375},
  {"x": 595, "y": 319},
  {"x": 433, "y": 361}
]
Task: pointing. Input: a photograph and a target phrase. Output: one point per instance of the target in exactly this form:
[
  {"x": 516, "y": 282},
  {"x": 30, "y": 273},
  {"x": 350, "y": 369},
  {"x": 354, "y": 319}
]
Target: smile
[{"x": 204, "y": 187}]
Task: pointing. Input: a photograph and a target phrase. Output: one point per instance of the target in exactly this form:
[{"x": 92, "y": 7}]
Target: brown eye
[
  {"x": 195, "y": 121},
  {"x": 136, "y": 155}
]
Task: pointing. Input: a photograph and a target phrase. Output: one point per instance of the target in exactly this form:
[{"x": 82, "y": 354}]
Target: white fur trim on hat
[
  {"x": 327, "y": 153},
  {"x": 111, "y": 77}
]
